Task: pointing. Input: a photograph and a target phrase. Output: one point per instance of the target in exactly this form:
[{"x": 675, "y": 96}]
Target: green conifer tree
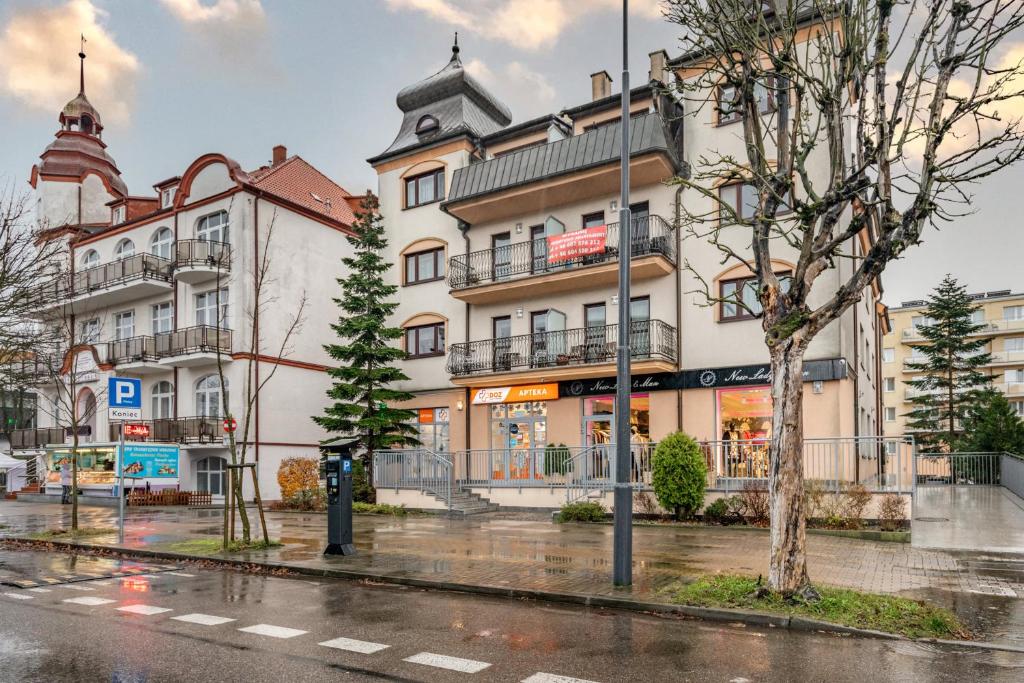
[
  {"x": 992, "y": 426},
  {"x": 362, "y": 392},
  {"x": 954, "y": 355}
]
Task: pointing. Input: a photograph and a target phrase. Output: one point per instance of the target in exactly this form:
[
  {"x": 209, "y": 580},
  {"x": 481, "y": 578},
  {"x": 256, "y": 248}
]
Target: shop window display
[
  {"x": 598, "y": 428},
  {"x": 745, "y": 421},
  {"x": 432, "y": 428},
  {"x": 519, "y": 435},
  {"x": 95, "y": 466}
]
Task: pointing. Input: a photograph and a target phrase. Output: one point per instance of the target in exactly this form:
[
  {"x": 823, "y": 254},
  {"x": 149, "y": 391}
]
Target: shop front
[{"x": 146, "y": 465}]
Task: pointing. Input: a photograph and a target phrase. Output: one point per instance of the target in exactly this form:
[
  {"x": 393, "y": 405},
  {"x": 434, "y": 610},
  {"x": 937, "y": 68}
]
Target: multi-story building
[
  {"x": 1001, "y": 312},
  {"x": 505, "y": 239},
  {"x": 163, "y": 287}
]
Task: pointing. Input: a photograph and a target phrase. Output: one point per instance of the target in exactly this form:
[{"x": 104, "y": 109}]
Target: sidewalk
[{"x": 526, "y": 551}]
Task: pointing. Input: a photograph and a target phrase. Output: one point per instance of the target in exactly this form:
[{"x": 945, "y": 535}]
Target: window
[
  {"x": 1015, "y": 376},
  {"x": 117, "y": 215},
  {"x": 162, "y": 243},
  {"x": 741, "y": 200},
  {"x": 124, "y": 249},
  {"x": 729, "y": 112},
  {"x": 163, "y": 400},
  {"x": 501, "y": 255},
  {"x": 213, "y": 228},
  {"x": 431, "y": 425},
  {"x": 891, "y": 447},
  {"x": 1018, "y": 407},
  {"x": 1013, "y": 312},
  {"x": 592, "y": 220},
  {"x": 978, "y": 316},
  {"x": 594, "y": 315},
  {"x": 501, "y": 327},
  {"x": 425, "y": 340},
  {"x": 921, "y": 321},
  {"x": 424, "y": 266},
  {"x": 163, "y": 317},
  {"x": 210, "y": 475},
  {"x": 426, "y": 124},
  {"x": 90, "y": 258},
  {"x": 167, "y": 197},
  {"x": 538, "y": 248},
  {"x": 890, "y": 384},
  {"x": 888, "y": 355},
  {"x": 1015, "y": 344},
  {"x": 744, "y": 290},
  {"x": 207, "y": 304},
  {"x": 90, "y": 331},
  {"x": 424, "y": 189},
  {"x": 124, "y": 325},
  {"x": 208, "y": 397},
  {"x": 890, "y": 414}
]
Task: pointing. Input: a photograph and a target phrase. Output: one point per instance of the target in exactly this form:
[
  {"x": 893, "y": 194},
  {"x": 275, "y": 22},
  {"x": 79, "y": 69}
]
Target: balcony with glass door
[
  {"x": 511, "y": 271},
  {"x": 562, "y": 354}
]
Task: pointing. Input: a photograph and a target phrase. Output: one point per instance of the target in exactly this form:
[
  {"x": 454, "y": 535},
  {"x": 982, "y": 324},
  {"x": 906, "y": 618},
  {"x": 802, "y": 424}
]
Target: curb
[{"x": 717, "y": 614}]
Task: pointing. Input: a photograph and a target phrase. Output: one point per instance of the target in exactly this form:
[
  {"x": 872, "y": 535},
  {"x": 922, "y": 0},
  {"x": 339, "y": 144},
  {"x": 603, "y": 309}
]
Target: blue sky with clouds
[{"x": 174, "y": 79}]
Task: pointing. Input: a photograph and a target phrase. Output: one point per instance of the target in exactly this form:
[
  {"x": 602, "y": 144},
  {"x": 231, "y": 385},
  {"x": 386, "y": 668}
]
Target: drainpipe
[
  {"x": 679, "y": 303},
  {"x": 464, "y": 229},
  {"x": 174, "y": 319},
  {"x": 256, "y": 328}
]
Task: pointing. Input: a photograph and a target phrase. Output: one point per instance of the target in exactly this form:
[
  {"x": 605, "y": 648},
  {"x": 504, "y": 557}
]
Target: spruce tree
[
  {"x": 992, "y": 426},
  {"x": 362, "y": 391},
  {"x": 952, "y": 378}
]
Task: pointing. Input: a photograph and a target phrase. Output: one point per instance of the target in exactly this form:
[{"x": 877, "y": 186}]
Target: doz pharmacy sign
[{"x": 124, "y": 398}]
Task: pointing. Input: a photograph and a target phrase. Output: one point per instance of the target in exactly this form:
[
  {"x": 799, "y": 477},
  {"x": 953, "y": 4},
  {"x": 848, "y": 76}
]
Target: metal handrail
[
  {"x": 35, "y": 437},
  {"x": 651, "y": 235},
  {"x": 198, "y": 339},
  {"x": 649, "y": 339},
  {"x": 192, "y": 253},
  {"x": 414, "y": 468},
  {"x": 148, "y": 266},
  {"x": 132, "y": 350},
  {"x": 192, "y": 430}
]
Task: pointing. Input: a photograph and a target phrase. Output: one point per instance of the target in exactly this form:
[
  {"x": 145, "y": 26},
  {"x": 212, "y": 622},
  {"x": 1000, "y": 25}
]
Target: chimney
[
  {"x": 280, "y": 154},
  {"x": 600, "y": 85},
  {"x": 659, "y": 66}
]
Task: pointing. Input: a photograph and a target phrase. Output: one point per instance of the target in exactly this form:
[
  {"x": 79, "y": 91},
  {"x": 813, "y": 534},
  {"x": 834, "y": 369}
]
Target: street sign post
[
  {"x": 124, "y": 402},
  {"x": 230, "y": 425}
]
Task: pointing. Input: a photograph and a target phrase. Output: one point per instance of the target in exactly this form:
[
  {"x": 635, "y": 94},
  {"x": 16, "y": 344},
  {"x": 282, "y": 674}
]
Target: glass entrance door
[{"x": 518, "y": 438}]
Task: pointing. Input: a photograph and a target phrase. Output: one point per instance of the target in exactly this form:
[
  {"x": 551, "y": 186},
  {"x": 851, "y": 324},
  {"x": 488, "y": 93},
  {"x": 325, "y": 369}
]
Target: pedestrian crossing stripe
[{"x": 92, "y": 576}]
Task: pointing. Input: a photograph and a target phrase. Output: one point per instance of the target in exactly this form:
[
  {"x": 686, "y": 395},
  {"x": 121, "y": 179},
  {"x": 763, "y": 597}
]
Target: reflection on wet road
[{"x": 200, "y": 625}]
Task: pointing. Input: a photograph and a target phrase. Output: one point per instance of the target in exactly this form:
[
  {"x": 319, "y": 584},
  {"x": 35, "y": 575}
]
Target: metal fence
[
  {"x": 1011, "y": 473},
  {"x": 414, "y": 468},
  {"x": 192, "y": 253},
  {"x": 959, "y": 469},
  {"x": 651, "y": 235},
  {"x": 199, "y": 339}
]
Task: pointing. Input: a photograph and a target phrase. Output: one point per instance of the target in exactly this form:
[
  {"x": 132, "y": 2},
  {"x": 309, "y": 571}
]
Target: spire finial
[
  {"x": 455, "y": 47},
  {"x": 81, "y": 67}
]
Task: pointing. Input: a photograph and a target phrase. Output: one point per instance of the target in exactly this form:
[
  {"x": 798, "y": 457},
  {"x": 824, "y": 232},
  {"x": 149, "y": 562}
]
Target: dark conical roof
[
  {"x": 458, "y": 102},
  {"x": 78, "y": 106}
]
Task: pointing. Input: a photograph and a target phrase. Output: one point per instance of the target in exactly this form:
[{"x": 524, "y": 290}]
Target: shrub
[
  {"x": 379, "y": 509},
  {"x": 735, "y": 508},
  {"x": 679, "y": 475},
  {"x": 715, "y": 512},
  {"x": 815, "y": 494},
  {"x": 645, "y": 504},
  {"x": 583, "y": 511},
  {"x": 756, "y": 504},
  {"x": 556, "y": 459},
  {"x": 362, "y": 488},
  {"x": 295, "y": 475},
  {"x": 856, "y": 500},
  {"x": 892, "y": 512}
]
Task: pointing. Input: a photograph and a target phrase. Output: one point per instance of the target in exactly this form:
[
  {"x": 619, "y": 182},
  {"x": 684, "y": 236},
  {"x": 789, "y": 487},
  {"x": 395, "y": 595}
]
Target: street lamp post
[{"x": 622, "y": 564}]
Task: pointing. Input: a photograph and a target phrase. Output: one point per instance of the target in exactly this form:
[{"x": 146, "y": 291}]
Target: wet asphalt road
[{"x": 46, "y": 638}]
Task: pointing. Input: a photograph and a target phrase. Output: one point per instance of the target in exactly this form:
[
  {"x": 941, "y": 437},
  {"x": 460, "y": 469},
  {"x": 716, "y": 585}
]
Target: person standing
[{"x": 65, "y": 481}]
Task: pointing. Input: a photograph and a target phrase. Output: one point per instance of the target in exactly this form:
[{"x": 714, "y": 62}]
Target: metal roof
[{"x": 593, "y": 148}]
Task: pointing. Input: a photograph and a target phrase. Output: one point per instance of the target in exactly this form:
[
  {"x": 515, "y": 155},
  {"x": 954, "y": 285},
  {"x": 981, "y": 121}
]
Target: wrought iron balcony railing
[
  {"x": 651, "y": 235},
  {"x": 649, "y": 340}
]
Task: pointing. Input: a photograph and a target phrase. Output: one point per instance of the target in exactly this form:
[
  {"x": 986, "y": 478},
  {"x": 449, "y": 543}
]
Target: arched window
[
  {"x": 85, "y": 125},
  {"x": 124, "y": 249},
  {"x": 208, "y": 397},
  {"x": 426, "y": 124},
  {"x": 90, "y": 258},
  {"x": 210, "y": 475},
  {"x": 213, "y": 228},
  {"x": 163, "y": 400},
  {"x": 161, "y": 243},
  {"x": 85, "y": 409}
]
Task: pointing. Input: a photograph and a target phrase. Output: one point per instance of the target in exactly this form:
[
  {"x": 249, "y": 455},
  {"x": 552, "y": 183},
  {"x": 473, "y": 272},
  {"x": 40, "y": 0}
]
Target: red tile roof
[{"x": 297, "y": 181}]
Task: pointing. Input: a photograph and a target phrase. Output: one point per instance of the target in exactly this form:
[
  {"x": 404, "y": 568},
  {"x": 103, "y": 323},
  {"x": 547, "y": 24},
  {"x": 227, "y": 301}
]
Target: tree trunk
[
  {"x": 74, "y": 477},
  {"x": 787, "y": 569}
]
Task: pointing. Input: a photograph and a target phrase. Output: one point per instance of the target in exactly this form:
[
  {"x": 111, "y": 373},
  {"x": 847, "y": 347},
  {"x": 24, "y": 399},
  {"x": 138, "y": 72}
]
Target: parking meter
[{"x": 339, "y": 503}]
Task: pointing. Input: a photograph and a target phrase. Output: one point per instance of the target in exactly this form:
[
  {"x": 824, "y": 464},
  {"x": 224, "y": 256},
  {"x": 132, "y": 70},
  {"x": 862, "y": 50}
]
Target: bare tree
[
  {"x": 262, "y": 301},
  {"x": 863, "y": 123}
]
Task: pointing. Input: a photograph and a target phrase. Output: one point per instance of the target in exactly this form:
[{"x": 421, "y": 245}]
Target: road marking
[
  {"x": 466, "y": 666},
  {"x": 88, "y": 600},
  {"x": 77, "y": 588},
  {"x": 146, "y": 610},
  {"x": 553, "y": 678},
  {"x": 187, "y": 576},
  {"x": 360, "y": 646},
  {"x": 272, "y": 631},
  {"x": 40, "y": 590},
  {"x": 19, "y": 596},
  {"x": 204, "y": 619},
  {"x": 100, "y": 583}
]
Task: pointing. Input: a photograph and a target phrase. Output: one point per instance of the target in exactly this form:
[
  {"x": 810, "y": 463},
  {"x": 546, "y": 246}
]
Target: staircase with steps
[{"x": 466, "y": 502}]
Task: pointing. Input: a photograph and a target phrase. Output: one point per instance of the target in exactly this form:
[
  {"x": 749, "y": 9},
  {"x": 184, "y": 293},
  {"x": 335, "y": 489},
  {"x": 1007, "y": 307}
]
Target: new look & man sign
[{"x": 124, "y": 398}]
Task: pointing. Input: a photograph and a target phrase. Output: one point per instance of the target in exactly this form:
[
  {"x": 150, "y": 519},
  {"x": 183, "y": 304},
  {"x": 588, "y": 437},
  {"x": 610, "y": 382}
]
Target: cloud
[
  {"x": 528, "y": 93},
  {"x": 39, "y": 68},
  {"x": 225, "y": 32},
  {"x": 232, "y": 12},
  {"x": 528, "y": 24}
]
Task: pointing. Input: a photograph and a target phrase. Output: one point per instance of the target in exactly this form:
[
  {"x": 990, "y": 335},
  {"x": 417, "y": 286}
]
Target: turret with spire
[{"x": 79, "y": 114}]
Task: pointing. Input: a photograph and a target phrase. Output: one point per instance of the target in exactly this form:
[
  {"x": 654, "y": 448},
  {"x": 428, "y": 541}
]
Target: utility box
[{"x": 339, "y": 501}]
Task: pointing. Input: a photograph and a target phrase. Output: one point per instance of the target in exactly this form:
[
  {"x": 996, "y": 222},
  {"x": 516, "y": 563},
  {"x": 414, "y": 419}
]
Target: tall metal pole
[
  {"x": 120, "y": 485},
  {"x": 622, "y": 571}
]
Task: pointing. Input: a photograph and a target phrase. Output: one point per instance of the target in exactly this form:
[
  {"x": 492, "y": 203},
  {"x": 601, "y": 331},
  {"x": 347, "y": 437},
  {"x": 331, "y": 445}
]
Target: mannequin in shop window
[{"x": 641, "y": 451}]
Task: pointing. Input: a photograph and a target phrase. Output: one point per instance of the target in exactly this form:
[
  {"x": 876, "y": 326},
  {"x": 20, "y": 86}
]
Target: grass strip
[
  {"x": 212, "y": 546},
  {"x": 81, "y": 532}
]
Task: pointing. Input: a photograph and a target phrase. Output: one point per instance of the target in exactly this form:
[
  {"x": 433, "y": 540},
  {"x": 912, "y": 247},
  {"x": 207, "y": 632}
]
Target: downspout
[
  {"x": 464, "y": 229},
  {"x": 679, "y": 304},
  {"x": 256, "y": 327},
  {"x": 174, "y": 319}
]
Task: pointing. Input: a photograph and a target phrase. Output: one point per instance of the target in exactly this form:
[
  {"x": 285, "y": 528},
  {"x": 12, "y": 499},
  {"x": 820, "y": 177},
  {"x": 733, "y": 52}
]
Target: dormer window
[
  {"x": 426, "y": 124},
  {"x": 167, "y": 197},
  {"x": 118, "y": 215}
]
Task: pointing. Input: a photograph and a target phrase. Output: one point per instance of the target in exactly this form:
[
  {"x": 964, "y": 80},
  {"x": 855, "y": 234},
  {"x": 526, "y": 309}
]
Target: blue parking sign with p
[{"x": 124, "y": 398}]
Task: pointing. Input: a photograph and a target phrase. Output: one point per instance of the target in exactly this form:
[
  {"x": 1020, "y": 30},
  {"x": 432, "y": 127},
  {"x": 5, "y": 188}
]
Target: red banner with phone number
[{"x": 577, "y": 243}]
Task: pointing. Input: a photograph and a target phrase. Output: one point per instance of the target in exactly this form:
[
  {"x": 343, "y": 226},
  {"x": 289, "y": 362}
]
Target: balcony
[
  {"x": 136, "y": 355},
  {"x": 565, "y": 354},
  {"x": 22, "y": 439},
  {"x": 992, "y": 327},
  {"x": 572, "y": 170},
  {"x": 1007, "y": 358},
  {"x": 113, "y": 283},
  {"x": 183, "y": 430},
  {"x": 193, "y": 346},
  {"x": 198, "y": 261},
  {"x": 522, "y": 270}
]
